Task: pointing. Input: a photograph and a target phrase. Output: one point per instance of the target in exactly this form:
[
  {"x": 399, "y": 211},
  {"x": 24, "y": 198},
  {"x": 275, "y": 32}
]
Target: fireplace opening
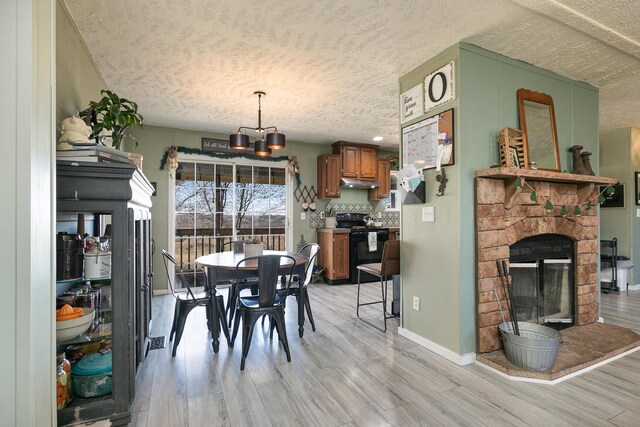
[{"x": 542, "y": 278}]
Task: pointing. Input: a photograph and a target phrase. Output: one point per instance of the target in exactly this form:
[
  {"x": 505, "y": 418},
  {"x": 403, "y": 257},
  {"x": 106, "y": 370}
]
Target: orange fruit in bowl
[{"x": 66, "y": 312}]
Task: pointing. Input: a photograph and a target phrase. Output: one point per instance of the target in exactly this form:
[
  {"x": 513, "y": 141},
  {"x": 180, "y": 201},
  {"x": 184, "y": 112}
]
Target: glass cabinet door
[{"x": 84, "y": 314}]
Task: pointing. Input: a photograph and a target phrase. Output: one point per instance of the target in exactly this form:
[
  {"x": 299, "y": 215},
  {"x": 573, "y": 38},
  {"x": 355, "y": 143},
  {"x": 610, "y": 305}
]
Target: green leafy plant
[{"x": 114, "y": 114}]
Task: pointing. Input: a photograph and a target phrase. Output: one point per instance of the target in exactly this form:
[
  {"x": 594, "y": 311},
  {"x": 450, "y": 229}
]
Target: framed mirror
[{"x": 538, "y": 124}]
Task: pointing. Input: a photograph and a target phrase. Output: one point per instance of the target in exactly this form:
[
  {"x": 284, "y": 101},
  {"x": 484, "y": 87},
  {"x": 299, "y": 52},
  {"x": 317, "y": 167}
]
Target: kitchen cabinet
[
  {"x": 384, "y": 178},
  {"x": 328, "y": 176},
  {"x": 359, "y": 161},
  {"x": 109, "y": 199},
  {"x": 334, "y": 254}
]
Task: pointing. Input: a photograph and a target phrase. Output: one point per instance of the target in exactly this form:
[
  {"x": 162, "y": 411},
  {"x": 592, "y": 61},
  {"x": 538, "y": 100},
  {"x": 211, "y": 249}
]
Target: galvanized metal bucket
[{"x": 535, "y": 348}]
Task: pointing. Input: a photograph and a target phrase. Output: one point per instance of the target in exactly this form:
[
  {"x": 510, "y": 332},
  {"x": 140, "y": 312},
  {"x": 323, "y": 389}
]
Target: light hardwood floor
[{"x": 347, "y": 374}]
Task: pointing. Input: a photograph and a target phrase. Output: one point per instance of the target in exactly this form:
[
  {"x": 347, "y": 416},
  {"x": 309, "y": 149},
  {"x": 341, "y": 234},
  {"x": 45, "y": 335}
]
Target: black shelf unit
[
  {"x": 609, "y": 259},
  {"x": 121, "y": 193}
]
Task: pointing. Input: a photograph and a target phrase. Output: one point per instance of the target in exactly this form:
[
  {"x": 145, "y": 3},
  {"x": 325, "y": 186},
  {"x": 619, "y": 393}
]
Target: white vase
[
  {"x": 330, "y": 222},
  {"x": 253, "y": 249}
]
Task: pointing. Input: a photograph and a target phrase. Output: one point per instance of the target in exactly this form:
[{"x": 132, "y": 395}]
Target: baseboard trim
[
  {"x": 160, "y": 291},
  {"x": 633, "y": 287},
  {"x": 458, "y": 359},
  {"x": 600, "y": 319}
]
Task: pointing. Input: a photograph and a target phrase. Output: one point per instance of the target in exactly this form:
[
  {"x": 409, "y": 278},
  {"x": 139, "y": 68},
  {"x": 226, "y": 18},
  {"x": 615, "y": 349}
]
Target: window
[{"x": 217, "y": 203}]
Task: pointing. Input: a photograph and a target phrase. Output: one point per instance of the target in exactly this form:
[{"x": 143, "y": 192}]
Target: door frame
[{"x": 199, "y": 158}]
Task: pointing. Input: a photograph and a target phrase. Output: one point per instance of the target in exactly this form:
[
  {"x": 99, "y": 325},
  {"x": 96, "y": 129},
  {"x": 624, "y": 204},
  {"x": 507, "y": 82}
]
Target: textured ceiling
[{"x": 330, "y": 68}]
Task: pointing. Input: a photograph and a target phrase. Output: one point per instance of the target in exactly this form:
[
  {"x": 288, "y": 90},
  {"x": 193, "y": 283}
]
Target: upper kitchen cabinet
[
  {"x": 359, "y": 161},
  {"x": 384, "y": 178},
  {"x": 328, "y": 176}
]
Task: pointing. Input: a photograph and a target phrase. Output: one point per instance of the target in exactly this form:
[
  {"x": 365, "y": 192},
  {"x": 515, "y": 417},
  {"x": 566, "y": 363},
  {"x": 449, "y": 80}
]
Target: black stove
[
  {"x": 361, "y": 251},
  {"x": 355, "y": 222}
]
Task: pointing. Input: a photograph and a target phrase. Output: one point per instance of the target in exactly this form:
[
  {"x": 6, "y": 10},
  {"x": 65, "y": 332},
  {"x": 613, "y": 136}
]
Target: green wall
[
  {"x": 615, "y": 161},
  {"x": 430, "y": 253},
  {"x": 78, "y": 80},
  {"x": 444, "y": 251},
  {"x": 620, "y": 157},
  {"x": 152, "y": 142}
]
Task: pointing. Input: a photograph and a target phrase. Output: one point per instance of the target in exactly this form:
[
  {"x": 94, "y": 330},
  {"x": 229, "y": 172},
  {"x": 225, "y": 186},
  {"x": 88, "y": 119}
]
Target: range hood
[{"x": 359, "y": 183}]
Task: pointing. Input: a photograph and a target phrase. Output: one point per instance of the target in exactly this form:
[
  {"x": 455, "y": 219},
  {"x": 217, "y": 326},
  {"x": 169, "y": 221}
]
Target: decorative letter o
[{"x": 444, "y": 86}]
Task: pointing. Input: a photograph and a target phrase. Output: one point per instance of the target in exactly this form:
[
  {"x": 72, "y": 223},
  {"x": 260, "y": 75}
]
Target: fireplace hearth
[{"x": 506, "y": 216}]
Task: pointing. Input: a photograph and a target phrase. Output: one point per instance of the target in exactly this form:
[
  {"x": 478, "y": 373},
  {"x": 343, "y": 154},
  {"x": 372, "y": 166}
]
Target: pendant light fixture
[{"x": 263, "y": 146}]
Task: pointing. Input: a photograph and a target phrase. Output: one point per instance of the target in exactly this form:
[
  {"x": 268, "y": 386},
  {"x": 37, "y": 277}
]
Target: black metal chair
[
  {"x": 389, "y": 266},
  {"x": 187, "y": 301},
  {"x": 298, "y": 287},
  {"x": 237, "y": 286},
  {"x": 267, "y": 302}
]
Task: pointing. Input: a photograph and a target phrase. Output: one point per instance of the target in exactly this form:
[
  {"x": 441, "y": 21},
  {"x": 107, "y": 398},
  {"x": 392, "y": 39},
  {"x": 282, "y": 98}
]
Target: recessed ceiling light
[{"x": 377, "y": 138}]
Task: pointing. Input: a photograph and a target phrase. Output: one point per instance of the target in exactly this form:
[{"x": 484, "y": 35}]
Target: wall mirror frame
[{"x": 538, "y": 124}]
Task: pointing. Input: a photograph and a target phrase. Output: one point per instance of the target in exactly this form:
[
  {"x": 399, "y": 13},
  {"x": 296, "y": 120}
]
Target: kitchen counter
[{"x": 333, "y": 230}]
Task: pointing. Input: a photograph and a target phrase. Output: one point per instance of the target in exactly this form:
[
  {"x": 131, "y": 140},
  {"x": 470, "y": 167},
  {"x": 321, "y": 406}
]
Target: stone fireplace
[{"x": 506, "y": 215}]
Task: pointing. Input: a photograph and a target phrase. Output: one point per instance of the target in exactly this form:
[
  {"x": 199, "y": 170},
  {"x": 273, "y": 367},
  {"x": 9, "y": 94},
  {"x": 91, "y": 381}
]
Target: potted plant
[{"x": 114, "y": 114}]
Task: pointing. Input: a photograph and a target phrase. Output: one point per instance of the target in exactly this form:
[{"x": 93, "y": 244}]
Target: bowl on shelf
[
  {"x": 377, "y": 223},
  {"x": 67, "y": 329}
]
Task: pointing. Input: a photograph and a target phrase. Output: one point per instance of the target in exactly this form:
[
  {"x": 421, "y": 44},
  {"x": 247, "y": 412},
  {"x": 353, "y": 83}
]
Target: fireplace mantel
[{"x": 586, "y": 183}]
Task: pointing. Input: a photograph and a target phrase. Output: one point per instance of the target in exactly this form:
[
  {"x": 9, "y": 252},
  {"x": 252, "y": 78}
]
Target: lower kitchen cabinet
[
  {"x": 113, "y": 280},
  {"x": 334, "y": 255}
]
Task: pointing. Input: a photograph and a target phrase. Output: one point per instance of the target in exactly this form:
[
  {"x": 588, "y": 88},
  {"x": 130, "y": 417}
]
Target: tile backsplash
[{"x": 388, "y": 218}]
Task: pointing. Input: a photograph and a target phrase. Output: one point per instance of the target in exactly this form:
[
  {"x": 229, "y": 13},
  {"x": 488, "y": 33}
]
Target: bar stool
[{"x": 389, "y": 266}]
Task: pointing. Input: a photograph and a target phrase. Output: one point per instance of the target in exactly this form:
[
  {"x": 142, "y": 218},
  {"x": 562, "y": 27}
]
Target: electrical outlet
[
  {"x": 303, "y": 216},
  {"x": 321, "y": 214},
  {"x": 416, "y": 303}
]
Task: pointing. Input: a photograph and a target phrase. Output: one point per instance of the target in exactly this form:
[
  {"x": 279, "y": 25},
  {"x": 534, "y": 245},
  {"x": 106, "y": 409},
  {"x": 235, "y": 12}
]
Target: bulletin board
[{"x": 425, "y": 142}]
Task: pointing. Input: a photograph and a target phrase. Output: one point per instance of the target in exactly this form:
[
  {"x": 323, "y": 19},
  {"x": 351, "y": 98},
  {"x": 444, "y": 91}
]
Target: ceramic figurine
[
  {"x": 587, "y": 163},
  {"x": 578, "y": 166}
]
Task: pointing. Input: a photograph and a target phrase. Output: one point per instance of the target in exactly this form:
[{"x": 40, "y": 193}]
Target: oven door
[{"x": 359, "y": 253}]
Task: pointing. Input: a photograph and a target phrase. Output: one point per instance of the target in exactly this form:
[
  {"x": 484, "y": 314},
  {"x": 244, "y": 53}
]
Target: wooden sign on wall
[{"x": 439, "y": 87}]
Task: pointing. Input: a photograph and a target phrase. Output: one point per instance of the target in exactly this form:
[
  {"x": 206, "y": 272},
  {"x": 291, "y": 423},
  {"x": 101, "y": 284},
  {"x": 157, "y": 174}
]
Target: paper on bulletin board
[{"x": 429, "y": 143}]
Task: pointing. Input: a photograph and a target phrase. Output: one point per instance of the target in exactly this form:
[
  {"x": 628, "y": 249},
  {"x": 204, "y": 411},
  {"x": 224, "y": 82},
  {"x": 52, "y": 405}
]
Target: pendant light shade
[
  {"x": 260, "y": 148},
  {"x": 238, "y": 141},
  {"x": 275, "y": 140}
]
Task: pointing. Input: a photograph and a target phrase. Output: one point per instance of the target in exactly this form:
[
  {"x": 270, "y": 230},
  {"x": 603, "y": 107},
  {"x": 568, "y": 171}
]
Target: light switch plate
[
  {"x": 638, "y": 212},
  {"x": 428, "y": 214},
  {"x": 303, "y": 216}
]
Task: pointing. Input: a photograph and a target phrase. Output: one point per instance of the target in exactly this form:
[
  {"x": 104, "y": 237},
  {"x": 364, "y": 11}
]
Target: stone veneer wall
[{"x": 497, "y": 228}]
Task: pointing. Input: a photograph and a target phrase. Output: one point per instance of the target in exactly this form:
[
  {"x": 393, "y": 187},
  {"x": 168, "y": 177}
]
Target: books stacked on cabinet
[{"x": 92, "y": 152}]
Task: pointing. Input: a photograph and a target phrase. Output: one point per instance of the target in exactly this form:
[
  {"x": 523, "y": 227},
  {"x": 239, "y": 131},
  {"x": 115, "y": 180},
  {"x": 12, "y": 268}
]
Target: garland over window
[{"x": 187, "y": 150}]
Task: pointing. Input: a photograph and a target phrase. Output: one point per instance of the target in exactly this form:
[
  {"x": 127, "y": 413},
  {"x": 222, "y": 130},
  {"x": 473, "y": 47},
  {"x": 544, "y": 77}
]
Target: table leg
[{"x": 212, "y": 278}]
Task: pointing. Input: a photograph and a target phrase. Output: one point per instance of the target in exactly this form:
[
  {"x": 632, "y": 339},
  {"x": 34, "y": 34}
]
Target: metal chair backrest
[
  {"x": 268, "y": 276},
  {"x": 390, "y": 258},
  {"x": 311, "y": 251},
  {"x": 167, "y": 258}
]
